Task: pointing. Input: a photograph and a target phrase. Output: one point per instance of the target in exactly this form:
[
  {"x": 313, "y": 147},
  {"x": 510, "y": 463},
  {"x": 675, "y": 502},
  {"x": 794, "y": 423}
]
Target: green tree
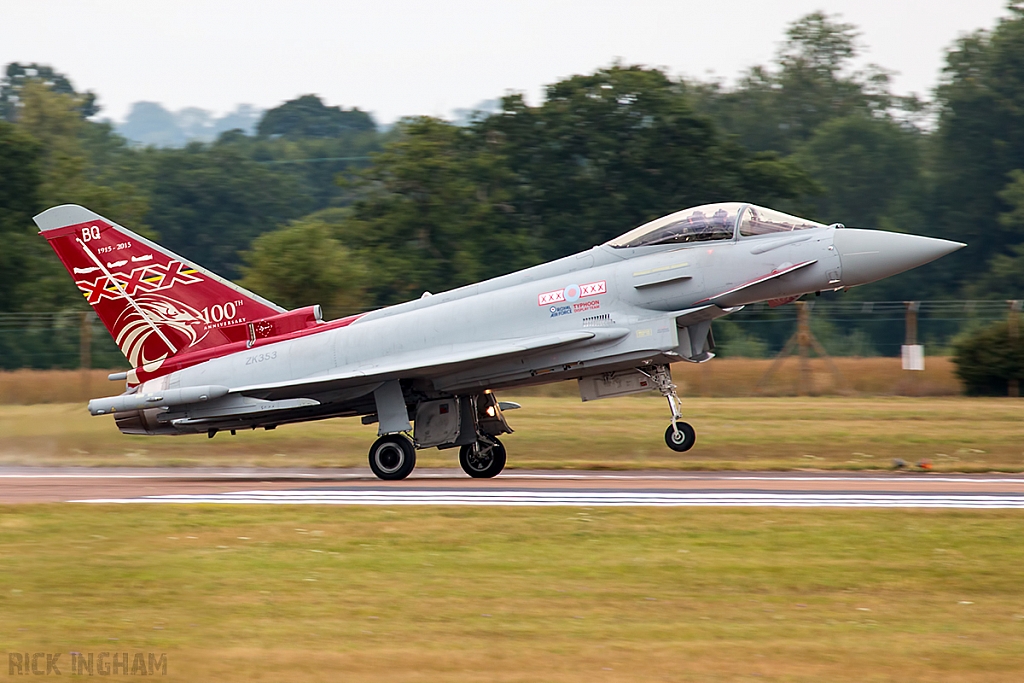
[
  {"x": 987, "y": 359},
  {"x": 17, "y": 76},
  {"x": 607, "y": 151},
  {"x": 19, "y": 201},
  {"x": 309, "y": 117},
  {"x": 811, "y": 81},
  {"x": 208, "y": 203},
  {"x": 445, "y": 205},
  {"x": 304, "y": 263},
  {"x": 436, "y": 213},
  {"x": 67, "y": 174},
  {"x": 979, "y": 141},
  {"x": 864, "y": 146},
  {"x": 313, "y": 162},
  {"x": 19, "y": 168},
  {"x": 870, "y": 173},
  {"x": 1004, "y": 275}
]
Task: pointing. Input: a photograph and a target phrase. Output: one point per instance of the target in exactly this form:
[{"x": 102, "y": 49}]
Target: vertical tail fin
[{"x": 154, "y": 303}]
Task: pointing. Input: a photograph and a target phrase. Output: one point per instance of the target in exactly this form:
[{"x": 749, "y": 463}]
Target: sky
[{"x": 408, "y": 57}]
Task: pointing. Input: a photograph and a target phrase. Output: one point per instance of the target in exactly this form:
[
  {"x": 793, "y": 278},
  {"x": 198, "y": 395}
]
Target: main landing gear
[
  {"x": 392, "y": 457},
  {"x": 679, "y": 436},
  {"x": 470, "y": 423}
]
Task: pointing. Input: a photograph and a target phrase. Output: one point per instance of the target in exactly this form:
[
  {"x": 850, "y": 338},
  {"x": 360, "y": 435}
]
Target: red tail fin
[{"x": 154, "y": 303}]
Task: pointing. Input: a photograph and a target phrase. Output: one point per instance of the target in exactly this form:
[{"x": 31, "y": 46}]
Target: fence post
[
  {"x": 1013, "y": 325},
  {"x": 803, "y": 340},
  {"x": 911, "y": 336},
  {"x": 911, "y": 353},
  {"x": 803, "y": 327}
]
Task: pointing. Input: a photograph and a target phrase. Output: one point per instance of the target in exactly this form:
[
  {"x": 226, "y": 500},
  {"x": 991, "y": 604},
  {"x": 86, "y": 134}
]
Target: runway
[{"x": 235, "y": 486}]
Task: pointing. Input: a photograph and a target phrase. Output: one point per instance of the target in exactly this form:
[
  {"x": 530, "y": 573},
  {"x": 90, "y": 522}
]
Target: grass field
[
  {"x": 955, "y": 434},
  {"x": 872, "y": 415},
  {"x": 500, "y": 594}
]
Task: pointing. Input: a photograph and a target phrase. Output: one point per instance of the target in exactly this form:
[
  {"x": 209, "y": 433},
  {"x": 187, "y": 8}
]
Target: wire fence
[
  {"x": 56, "y": 340},
  {"x": 861, "y": 328},
  {"x": 75, "y": 339}
]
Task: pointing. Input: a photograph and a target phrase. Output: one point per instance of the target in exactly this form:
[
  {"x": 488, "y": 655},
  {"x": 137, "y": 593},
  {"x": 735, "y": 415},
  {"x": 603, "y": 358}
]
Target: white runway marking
[
  {"x": 162, "y": 475},
  {"x": 585, "y": 498},
  {"x": 730, "y": 477}
]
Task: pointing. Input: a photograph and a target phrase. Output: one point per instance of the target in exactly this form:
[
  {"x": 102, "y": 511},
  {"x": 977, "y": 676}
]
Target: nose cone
[{"x": 869, "y": 255}]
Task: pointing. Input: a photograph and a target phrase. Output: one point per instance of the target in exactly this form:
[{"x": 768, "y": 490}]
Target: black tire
[
  {"x": 485, "y": 464},
  {"x": 682, "y": 440},
  {"x": 392, "y": 457}
]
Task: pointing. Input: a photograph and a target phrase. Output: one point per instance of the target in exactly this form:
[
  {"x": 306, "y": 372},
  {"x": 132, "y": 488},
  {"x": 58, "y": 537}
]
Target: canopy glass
[
  {"x": 760, "y": 221},
  {"x": 711, "y": 222},
  {"x": 699, "y": 224}
]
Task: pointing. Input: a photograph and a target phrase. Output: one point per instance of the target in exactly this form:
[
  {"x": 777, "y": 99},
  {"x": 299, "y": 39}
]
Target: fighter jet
[{"x": 208, "y": 356}]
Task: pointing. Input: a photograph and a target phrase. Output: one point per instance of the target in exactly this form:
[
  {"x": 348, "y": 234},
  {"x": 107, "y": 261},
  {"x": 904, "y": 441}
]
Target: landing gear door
[
  {"x": 611, "y": 384},
  {"x": 696, "y": 342},
  {"x": 490, "y": 417},
  {"x": 437, "y": 423}
]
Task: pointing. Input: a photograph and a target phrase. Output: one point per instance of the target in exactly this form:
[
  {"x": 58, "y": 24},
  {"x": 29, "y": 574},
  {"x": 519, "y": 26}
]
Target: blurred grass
[
  {"x": 27, "y": 387},
  {"x": 880, "y": 376},
  {"x": 955, "y": 434},
  {"x": 514, "y": 594}
]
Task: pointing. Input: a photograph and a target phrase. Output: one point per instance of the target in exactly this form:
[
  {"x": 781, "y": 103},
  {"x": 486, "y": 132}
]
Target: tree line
[{"x": 322, "y": 205}]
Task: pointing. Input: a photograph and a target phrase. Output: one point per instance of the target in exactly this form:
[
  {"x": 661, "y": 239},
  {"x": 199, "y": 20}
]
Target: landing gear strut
[
  {"x": 679, "y": 436},
  {"x": 483, "y": 459}
]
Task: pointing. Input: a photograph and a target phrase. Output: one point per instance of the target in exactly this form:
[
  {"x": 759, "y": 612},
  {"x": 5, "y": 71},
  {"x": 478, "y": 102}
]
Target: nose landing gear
[
  {"x": 483, "y": 459},
  {"x": 679, "y": 436}
]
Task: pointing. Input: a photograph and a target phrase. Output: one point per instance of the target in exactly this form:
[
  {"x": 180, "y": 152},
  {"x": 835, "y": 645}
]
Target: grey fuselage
[{"x": 636, "y": 320}]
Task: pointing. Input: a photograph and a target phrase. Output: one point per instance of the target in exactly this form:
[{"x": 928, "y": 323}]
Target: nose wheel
[
  {"x": 679, "y": 436},
  {"x": 483, "y": 459}
]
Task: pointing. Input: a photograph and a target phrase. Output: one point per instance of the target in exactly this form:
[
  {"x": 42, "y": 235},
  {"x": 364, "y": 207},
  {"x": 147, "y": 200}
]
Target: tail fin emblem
[{"x": 148, "y": 278}]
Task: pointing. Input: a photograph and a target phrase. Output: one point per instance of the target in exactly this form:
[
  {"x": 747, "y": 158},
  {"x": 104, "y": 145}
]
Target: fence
[
  {"x": 56, "y": 339},
  {"x": 858, "y": 328}
]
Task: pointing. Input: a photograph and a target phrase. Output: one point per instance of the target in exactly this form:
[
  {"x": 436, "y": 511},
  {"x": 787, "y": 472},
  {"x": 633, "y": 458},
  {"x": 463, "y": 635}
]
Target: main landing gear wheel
[
  {"x": 681, "y": 437},
  {"x": 392, "y": 457},
  {"x": 484, "y": 459}
]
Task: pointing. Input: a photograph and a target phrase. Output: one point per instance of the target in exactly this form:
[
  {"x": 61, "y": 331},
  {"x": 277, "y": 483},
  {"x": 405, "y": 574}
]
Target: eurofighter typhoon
[{"x": 208, "y": 356}]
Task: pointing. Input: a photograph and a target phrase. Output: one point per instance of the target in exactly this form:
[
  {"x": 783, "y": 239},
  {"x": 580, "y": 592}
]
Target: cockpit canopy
[{"x": 711, "y": 222}]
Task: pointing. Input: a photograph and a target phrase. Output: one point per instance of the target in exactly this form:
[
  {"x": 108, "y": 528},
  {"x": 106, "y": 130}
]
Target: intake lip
[{"x": 870, "y": 255}]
